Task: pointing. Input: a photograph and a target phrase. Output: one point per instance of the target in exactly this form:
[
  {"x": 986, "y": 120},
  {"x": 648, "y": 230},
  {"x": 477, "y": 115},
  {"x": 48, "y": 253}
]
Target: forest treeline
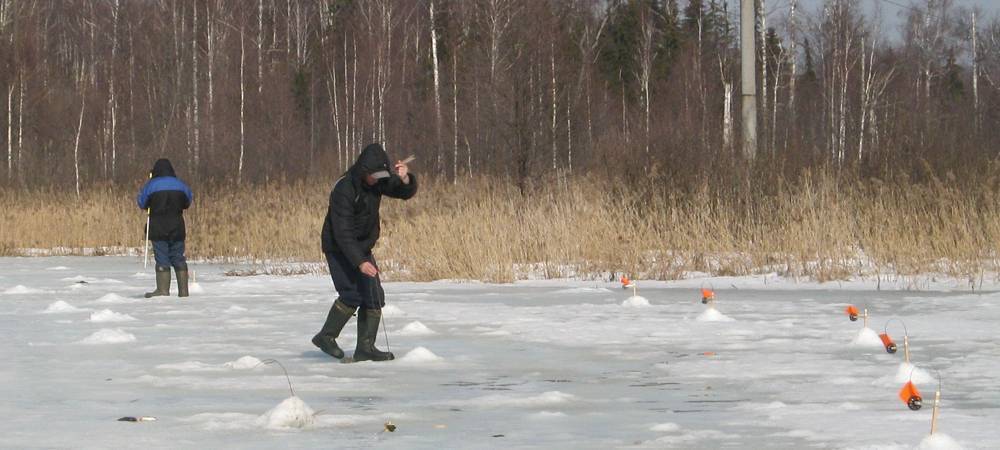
[{"x": 238, "y": 91}]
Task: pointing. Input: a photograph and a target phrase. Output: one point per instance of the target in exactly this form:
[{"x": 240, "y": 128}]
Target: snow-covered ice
[
  {"x": 537, "y": 364},
  {"x": 713, "y": 315},
  {"x": 867, "y": 337}
]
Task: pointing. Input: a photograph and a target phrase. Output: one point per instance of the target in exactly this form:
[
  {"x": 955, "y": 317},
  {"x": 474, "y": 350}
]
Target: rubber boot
[
  {"x": 368, "y": 321},
  {"x": 338, "y": 316},
  {"x": 162, "y": 282},
  {"x": 182, "y": 280}
]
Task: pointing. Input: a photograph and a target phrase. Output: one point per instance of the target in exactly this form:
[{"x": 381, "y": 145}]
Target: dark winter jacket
[
  {"x": 352, "y": 218},
  {"x": 166, "y": 197}
]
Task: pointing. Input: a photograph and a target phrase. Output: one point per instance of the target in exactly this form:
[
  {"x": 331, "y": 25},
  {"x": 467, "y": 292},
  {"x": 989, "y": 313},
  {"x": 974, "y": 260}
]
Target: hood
[
  {"x": 162, "y": 168},
  {"x": 372, "y": 159}
]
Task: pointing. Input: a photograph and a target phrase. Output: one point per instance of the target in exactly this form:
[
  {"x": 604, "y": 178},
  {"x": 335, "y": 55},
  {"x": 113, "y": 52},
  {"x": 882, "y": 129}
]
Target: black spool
[
  {"x": 854, "y": 317},
  {"x": 915, "y": 403},
  {"x": 891, "y": 348}
]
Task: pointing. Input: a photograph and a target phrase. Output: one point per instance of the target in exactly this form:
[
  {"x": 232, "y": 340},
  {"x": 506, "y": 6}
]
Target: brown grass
[{"x": 489, "y": 230}]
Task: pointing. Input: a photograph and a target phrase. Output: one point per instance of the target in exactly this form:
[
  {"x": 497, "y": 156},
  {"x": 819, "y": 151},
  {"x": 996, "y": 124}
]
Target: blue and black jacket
[{"x": 166, "y": 197}]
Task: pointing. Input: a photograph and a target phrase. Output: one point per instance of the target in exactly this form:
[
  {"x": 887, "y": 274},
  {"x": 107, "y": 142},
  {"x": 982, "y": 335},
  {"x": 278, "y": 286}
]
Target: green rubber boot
[
  {"x": 368, "y": 321},
  {"x": 182, "y": 280},
  {"x": 338, "y": 316},
  {"x": 162, "y": 282}
]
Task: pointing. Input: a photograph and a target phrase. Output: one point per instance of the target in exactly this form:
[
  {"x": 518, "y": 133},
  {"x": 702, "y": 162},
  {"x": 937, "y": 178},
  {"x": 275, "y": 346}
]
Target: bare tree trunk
[
  {"x": 454, "y": 103},
  {"x": 10, "y": 128},
  {"x": 239, "y": 169},
  {"x": 194, "y": 81},
  {"x": 76, "y": 146},
  {"x": 437, "y": 84},
  {"x": 975, "y": 75},
  {"x": 793, "y": 31},
  {"x": 555, "y": 109},
  {"x": 762, "y": 24},
  {"x": 20, "y": 126},
  {"x": 112, "y": 75},
  {"x": 260, "y": 44}
]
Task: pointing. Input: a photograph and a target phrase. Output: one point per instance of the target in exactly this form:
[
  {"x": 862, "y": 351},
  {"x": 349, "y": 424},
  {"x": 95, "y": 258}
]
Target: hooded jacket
[
  {"x": 166, "y": 197},
  {"x": 351, "y": 226}
]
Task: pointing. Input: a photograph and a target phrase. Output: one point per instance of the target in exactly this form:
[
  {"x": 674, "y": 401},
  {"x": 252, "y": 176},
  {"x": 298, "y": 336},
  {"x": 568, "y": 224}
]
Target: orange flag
[
  {"x": 706, "y": 295},
  {"x": 890, "y": 346},
  {"x": 911, "y": 396},
  {"x": 625, "y": 282},
  {"x": 852, "y": 312}
]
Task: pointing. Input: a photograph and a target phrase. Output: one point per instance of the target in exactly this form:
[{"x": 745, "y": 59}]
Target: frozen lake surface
[{"x": 545, "y": 364}]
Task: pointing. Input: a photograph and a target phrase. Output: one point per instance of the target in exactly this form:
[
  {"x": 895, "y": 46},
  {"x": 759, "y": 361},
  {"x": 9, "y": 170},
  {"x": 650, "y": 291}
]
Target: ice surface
[
  {"x": 540, "y": 364},
  {"x": 108, "y": 336},
  {"x": 107, "y": 315},
  {"x": 713, "y": 315},
  {"x": 636, "y": 301},
  {"x": 392, "y": 311}
]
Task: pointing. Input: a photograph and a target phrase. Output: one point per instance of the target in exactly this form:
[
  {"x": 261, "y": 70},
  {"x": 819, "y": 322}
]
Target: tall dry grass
[{"x": 490, "y": 230}]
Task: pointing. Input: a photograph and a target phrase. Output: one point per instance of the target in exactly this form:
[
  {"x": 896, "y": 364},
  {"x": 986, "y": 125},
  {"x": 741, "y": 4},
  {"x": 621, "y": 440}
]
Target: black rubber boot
[
  {"x": 162, "y": 282},
  {"x": 338, "y": 316},
  {"x": 368, "y": 321},
  {"x": 182, "y": 280}
]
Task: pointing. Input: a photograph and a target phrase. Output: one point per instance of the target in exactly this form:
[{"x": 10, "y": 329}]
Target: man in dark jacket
[
  {"x": 350, "y": 231},
  {"x": 165, "y": 198}
]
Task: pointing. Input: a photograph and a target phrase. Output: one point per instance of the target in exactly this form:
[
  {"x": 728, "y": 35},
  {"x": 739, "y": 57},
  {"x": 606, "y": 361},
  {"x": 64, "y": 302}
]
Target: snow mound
[
  {"x": 867, "y": 338},
  {"x": 909, "y": 372},
  {"x": 668, "y": 427},
  {"x": 392, "y": 311},
  {"x": 195, "y": 288},
  {"x": 713, "y": 315},
  {"x": 115, "y": 298},
  {"x": 636, "y": 301},
  {"x": 108, "y": 336},
  {"x": 22, "y": 289},
  {"x": 939, "y": 441},
  {"x": 107, "y": 315},
  {"x": 420, "y": 355},
  {"x": 57, "y": 268},
  {"x": 290, "y": 413},
  {"x": 244, "y": 363},
  {"x": 235, "y": 309},
  {"x": 416, "y": 328},
  {"x": 60, "y": 306}
]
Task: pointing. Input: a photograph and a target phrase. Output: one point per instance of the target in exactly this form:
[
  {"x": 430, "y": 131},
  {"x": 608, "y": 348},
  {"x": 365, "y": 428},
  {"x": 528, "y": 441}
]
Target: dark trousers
[
  {"x": 169, "y": 253},
  {"x": 354, "y": 287}
]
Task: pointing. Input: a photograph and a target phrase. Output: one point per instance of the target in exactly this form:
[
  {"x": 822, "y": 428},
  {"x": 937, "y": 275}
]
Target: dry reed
[{"x": 489, "y": 230}]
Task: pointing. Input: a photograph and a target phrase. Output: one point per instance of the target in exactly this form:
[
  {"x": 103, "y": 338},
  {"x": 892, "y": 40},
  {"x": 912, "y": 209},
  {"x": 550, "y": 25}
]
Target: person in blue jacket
[{"x": 165, "y": 197}]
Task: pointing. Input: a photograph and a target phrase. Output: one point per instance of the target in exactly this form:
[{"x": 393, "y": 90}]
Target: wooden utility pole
[{"x": 747, "y": 63}]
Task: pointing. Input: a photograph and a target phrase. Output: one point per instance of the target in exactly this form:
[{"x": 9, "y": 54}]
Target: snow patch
[
  {"x": 235, "y": 309},
  {"x": 909, "y": 372},
  {"x": 108, "y": 336},
  {"x": 939, "y": 441},
  {"x": 22, "y": 289},
  {"x": 867, "y": 338},
  {"x": 244, "y": 363},
  {"x": 668, "y": 427},
  {"x": 107, "y": 315},
  {"x": 189, "y": 366},
  {"x": 291, "y": 413},
  {"x": 115, "y": 298},
  {"x": 195, "y": 288},
  {"x": 57, "y": 268},
  {"x": 546, "y": 415},
  {"x": 420, "y": 355},
  {"x": 636, "y": 301},
  {"x": 544, "y": 399},
  {"x": 416, "y": 328},
  {"x": 60, "y": 306},
  {"x": 582, "y": 290},
  {"x": 713, "y": 315}
]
